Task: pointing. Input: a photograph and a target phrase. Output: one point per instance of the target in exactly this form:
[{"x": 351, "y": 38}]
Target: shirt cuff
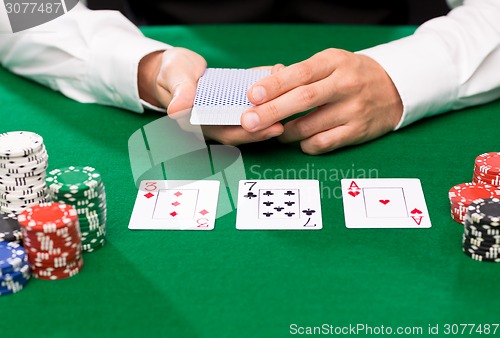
[
  {"x": 147, "y": 105},
  {"x": 423, "y": 73},
  {"x": 115, "y": 71}
]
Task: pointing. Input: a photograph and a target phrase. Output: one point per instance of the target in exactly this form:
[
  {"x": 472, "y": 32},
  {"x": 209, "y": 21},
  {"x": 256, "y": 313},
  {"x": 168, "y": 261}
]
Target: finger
[
  {"x": 181, "y": 82},
  {"x": 183, "y": 121},
  {"x": 183, "y": 96},
  {"x": 330, "y": 140},
  {"x": 295, "y": 101},
  {"x": 277, "y": 67},
  {"x": 164, "y": 97},
  {"x": 235, "y": 135},
  {"x": 262, "y": 68},
  {"x": 258, "y": 91},
  {"x": 341, "y": 136},
  {"x": 316, "y": 121},
  {"x": 178, "y": 78},
  {"x": 299, "y": 74},
  {"x": 180, "y": 114}
]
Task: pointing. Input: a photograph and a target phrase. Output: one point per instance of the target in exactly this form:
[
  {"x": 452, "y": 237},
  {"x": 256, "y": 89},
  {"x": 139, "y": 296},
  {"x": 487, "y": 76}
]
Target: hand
[
  {"x": 235, "y": 135},
  {"x": 355, "y": 98},
  {"x": 168, "y": 78}
]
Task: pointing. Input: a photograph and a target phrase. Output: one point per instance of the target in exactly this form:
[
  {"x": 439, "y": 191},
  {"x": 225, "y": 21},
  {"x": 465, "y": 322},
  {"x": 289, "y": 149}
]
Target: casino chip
[
  {"x": 462, "y": 195},
  {"x": 51, "y": 236},
  {"x": 9, "y": 228},
  {"x": 14, "y": 268},
  {"x": 23, "y": 164},
  {"x": 488, "y": 163},
  {"x": 487, "y": 169},
  {"x": 481, "y": 239},
  {"x": 82, "y": 187}
]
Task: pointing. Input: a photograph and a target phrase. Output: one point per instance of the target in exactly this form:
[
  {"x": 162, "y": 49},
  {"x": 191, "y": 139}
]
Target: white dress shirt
[
  {"x": 92, "y": 56},
  {"x": 451, "y": 62}
]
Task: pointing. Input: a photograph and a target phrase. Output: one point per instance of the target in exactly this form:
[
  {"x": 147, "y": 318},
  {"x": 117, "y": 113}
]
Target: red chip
[
  {"x": 56, "y": 262},
  {"x": 484, "y": 178},
  {"x": 58, "y": 273},
  {"x": 52, "y": 238},
  {"x": 458, "y": 213},
  {"x": 465, "y": 193},
  {"x": 488, "y": 181},
  {"x": 478, "y": 173},
  {"x": 488, "y": 163},
  {"x": 47, "y": 217}
]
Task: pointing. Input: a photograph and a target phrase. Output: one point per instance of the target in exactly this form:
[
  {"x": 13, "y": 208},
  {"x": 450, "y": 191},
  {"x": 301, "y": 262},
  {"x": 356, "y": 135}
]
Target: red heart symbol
[
  {"x": 354, "y": 193},
  {"x": 416, "y": 211},
  {"x": 384, "y": 202}
]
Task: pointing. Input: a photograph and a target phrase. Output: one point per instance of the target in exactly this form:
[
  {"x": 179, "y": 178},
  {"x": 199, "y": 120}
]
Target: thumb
[{"x": 183, "y": 97}]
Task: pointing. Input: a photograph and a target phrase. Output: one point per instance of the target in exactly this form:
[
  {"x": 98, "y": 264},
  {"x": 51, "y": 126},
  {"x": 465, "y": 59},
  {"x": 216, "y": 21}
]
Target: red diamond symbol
[
  {"x": 203, "y": 212},
  {"x": 175, "y": 203},
  {"x": 178, "y": 194},
  {"x": 173, "y": 214},
  {"x": 148, "y": 195}
]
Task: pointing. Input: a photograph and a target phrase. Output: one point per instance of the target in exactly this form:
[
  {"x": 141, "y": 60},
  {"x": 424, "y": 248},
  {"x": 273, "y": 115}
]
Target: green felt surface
[{"x": 229, "y": 283}]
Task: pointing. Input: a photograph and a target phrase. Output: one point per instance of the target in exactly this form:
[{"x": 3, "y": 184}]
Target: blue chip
[
  {"x": 12, "y": 257},
  {"x": 16, "y": 281},
  {"x": 13, "y": 287},
  {"x": 22, "y": 276}
]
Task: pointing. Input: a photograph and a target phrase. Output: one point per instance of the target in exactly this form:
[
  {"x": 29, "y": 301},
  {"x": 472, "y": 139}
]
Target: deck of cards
[
  {"x": 279, "y": 204},
  {"x": 221, "y": 95}
]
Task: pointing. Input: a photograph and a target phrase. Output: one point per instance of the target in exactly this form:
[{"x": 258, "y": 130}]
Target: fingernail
[
  {"x": 251, "y": 120},
  {"x": 275, "y": 133},
  {"x": 258, "y": 94}
]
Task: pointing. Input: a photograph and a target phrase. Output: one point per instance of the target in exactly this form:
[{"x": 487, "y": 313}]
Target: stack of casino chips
[
  {"x": 487, "y": 169},
  {"x": 462, "y": 195},
  {"x": 23, "y": 164},
  {"x": 14, "y": 268},
  {"x": 51, "y": 236},
  {"x": 83, "y": 188},
  {"x": 481, "y": 239},
  {"x": 9, "y": 228}
]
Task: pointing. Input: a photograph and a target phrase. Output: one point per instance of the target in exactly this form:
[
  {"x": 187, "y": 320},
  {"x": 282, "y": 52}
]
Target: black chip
[
  {"x": 485, "y": 212},
  {"x": 10, "y": 230}
]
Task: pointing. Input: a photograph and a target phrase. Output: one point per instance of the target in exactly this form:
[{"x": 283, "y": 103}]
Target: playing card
[
  {"x": 384, "y": 203},
  {"x": 278, "y": 205},
  {"x": 221, "y": 96},
  {"x": 175, "y": 205}
]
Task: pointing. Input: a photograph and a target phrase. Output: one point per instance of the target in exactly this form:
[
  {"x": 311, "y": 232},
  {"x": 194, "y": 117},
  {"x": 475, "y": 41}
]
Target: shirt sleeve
[
  {"x": 449, "y": 63},
  {"x": 89, "y": 56}
]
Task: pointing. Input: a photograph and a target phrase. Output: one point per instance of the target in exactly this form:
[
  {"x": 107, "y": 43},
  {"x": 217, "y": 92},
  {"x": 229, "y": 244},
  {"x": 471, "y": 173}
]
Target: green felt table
[{"x": 231, "y": 283}]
